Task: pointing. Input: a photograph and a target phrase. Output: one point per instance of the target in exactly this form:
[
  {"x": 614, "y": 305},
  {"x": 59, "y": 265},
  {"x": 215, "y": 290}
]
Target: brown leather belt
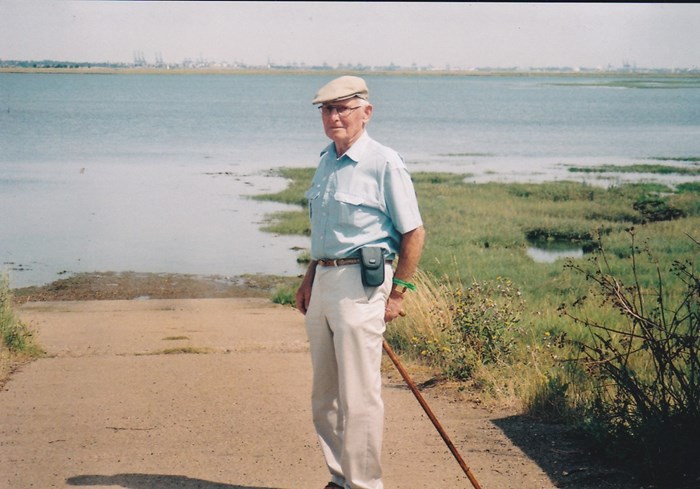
[{"x": 340, "y": 262}]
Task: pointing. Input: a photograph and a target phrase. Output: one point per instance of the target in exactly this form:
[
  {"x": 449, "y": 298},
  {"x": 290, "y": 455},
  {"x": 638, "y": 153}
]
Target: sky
[{"x": 451, "y": 34}]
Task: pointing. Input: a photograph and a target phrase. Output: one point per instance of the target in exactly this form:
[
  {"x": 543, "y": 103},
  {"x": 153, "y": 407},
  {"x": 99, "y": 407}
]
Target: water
[
  {"x": 549, "y": 254},
  {"x": 153, "y": 173}
]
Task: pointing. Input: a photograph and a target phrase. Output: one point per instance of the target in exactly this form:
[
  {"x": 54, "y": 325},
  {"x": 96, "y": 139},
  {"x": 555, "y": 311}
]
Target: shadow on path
[
  {"x": 152, "y": 481},
  {"x": 563, "y": 455}
]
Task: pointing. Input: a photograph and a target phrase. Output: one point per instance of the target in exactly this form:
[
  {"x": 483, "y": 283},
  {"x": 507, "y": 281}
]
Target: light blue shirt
[{"x": 364, "y": 198}]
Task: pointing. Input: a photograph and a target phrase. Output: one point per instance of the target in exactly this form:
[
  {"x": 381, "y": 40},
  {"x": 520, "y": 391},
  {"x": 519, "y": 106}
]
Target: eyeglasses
[{"x": 342, "y": 110}]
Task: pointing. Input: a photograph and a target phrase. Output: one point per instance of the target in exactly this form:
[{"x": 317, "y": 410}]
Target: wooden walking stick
[{"x": 430, "y": 414}]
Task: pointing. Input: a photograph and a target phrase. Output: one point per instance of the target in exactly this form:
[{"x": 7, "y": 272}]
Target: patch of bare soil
[{"x": 132, "y": 285}]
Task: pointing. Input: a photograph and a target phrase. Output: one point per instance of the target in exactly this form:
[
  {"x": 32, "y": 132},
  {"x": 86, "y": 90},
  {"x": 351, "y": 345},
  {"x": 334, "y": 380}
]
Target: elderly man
[{"x": 361, "y": 198}]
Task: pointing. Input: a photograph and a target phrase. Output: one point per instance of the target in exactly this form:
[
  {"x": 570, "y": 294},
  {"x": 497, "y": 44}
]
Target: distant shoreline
[{"x": 252, "y": 71}]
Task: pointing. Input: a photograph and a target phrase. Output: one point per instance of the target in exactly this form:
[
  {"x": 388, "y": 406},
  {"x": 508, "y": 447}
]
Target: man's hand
[
  {"x": 394, "y": 307},
  {"x": 303, "y": 296},
  {"x": 409, "y": 255}
]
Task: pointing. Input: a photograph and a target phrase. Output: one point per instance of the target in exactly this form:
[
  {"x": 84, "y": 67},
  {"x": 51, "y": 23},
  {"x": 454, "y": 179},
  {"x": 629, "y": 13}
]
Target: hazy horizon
[{"x": 441, "y": 35}]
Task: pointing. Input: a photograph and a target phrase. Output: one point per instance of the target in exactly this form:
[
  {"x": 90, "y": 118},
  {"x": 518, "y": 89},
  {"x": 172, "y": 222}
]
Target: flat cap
[{"x": 342, "y": 88}]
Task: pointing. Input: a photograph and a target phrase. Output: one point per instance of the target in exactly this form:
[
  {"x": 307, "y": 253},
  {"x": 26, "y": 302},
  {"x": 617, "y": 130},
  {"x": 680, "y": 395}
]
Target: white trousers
[{"x": 345, "y": 326}]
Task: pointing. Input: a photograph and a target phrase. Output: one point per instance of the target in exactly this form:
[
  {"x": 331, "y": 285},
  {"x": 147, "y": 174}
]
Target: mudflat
[{"x": 214, "y": 394}]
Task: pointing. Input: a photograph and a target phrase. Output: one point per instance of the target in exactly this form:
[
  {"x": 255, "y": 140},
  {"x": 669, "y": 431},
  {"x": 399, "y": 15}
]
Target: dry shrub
[
  {"x": 459, "y": 330},
  {"x": 643, "y": 364}
]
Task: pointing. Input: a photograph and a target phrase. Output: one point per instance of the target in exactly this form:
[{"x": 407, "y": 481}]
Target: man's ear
[{"x": 367, "y": 113}]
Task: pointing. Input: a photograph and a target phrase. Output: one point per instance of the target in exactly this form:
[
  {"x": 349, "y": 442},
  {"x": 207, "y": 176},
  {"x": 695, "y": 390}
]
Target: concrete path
[{"x": 210, "y": 394}]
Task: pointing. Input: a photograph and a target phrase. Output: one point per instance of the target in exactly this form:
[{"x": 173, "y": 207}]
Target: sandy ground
[{"x": 214, "y": 394}]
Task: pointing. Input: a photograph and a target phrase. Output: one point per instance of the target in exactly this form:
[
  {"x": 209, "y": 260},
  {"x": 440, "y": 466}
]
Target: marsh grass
[
  {"x": 289, "y": 222},
  {"x": 298, "y": 182},
  {"x": 482, "y": 231},
  {"x": 639, "y": 168},
  {"x": 486, "y": 314},
  {"x": 477, "y": 233},
  {"x": 689, "y": 187},
  {"x": 691, "y": 159},
  {"x": 286, "y": 222},
  {"x": 650, "y": 83}
]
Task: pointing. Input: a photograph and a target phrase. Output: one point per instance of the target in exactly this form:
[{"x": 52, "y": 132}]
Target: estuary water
[{"x": 154, "y": 173}]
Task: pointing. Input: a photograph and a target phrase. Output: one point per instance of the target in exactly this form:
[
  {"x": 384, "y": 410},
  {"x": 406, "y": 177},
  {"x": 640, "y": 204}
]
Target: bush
[
  {"x": 654, "y": 209},
  {"x": 462, "y": 328},
  {"x": 285, "y": 295},
  {"x": 484, "y": 326},
  {"x": 644, "y": 368},
  {"x": 550, "y": 400},
  {"x": 14, "y": 335}
]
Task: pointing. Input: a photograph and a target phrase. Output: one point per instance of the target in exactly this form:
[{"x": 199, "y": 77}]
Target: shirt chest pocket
[
  {"x": 353, "y": 210},
  {"x": 312, "y": 198}
]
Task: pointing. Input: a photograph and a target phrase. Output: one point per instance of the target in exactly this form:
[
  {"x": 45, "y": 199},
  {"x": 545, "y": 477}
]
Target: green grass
[
  {"x": 640, "y": 83},
  {"x": 17, "y": 342},
  {"x": 690, "y": 187},
  {"x": 293, "y": 194},
  {"x": 482, "y": 230},
  {"x": 481, "y": 233},
  {"x": 638, "y": 168},
  {"x": 691, "y": 159}
]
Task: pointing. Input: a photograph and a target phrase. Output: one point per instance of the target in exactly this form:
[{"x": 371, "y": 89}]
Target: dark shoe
[{"x": 333, "y": 485}]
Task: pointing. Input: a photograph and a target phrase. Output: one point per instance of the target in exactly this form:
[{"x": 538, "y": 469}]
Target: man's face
[{"x": 344, "y": 121}]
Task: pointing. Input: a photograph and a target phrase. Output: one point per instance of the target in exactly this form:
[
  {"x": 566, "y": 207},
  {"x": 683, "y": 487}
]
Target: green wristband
[{"x": 408, "y": 285}]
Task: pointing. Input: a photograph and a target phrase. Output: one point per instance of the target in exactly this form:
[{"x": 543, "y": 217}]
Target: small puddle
[
  {"x": 549, "y": 251},
  {"x": 550, "y": 255}
]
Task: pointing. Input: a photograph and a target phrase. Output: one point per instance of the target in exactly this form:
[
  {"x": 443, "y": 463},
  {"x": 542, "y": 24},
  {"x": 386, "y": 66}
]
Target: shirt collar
[{"x": 354, "y": 152}]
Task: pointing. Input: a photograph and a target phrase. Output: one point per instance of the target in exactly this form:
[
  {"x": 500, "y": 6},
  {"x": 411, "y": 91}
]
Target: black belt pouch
[{"x": 372, "y": 263}]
